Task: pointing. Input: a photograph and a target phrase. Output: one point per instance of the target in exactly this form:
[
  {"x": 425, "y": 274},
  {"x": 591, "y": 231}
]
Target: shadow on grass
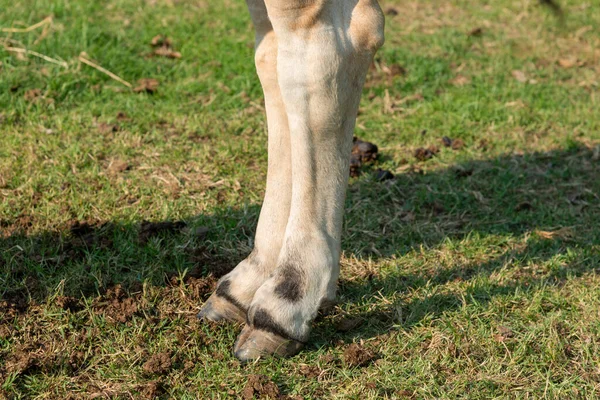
[{"x": 509, "y": 196}]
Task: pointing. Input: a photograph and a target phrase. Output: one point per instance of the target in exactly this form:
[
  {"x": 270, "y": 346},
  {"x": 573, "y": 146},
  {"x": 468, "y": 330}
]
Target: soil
[
  {"x": 68, "y": 303},
  {"x": 457, "y": 144},
  {"x": 310, "y": 371},
  {"x": 21, "y": 361},
  {"x": 152, "y": 390},
  {"x": 158, "y": 363},
  {"x": 201, "y": 288},
  {"x": 424, "y": 154},
  {"x": 362, "y": 153},
  {"x": 116, "y": 305},
  {"x": 13, "y": 302},
  {"x": 260, "y": 387},
  {"x": 356, "y": 355}
]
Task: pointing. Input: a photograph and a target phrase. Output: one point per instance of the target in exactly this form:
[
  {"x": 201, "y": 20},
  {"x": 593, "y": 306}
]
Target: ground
[{"x": 473, "y": 273}]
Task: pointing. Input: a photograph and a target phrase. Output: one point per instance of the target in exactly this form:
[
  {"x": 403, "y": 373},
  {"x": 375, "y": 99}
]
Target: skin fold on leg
[{"x": 324, "y": 48}]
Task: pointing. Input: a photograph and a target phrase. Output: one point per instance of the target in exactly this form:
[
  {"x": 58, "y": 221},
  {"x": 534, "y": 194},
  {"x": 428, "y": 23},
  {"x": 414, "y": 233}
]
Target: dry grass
[{"x": 472, "y": 274}]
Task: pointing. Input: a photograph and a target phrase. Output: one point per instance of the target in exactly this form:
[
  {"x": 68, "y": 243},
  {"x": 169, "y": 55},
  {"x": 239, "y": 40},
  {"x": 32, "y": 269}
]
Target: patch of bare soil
[
  {"x": 21, "y": 361},
  {"x": 310, "y": 371},
  {"x": 151, "y": 390},
  {"x": 116, "y": 305},
  {"x": 260, "y": 387},
  {"x": 158, "y": 364},
  {"x": 20, "y": 225},
  {"x": 357, "y": 355},
  {"x": 201, "y": 288},
  {"x": 13, "y": 303},
  {"x": 68, "y": 303}
]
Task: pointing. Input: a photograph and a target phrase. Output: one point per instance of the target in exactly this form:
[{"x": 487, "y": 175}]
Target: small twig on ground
[
  {"x": 36, "y": 54},
  {"x": 45, "y": 21},
  {"x": 83, "y": 58}
]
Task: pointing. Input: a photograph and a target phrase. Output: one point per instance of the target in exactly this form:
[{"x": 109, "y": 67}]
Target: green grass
[{"x": 471, "y": 275}]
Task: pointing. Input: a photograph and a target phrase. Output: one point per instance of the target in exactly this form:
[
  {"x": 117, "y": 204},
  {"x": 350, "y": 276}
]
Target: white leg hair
[
  {"x": 312, "y": 57},
  {"x": 236, "y": 290},
  {"x": 324, "y": 48}
]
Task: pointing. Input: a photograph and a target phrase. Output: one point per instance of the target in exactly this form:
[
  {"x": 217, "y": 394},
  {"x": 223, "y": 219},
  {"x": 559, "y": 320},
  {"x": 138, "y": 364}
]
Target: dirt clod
[
  {"x": 68, "y": 303},
  {"x": 146, "y": 85},
  {"x": 366, "y": 151},
  {"x": 163, "y": 47},
  {"x": 383, "y": 175},
  {"x": 423, "y": 154},
  {"x": 356, "y": 355},
  {"x": 261, "y": 387},
  {"x": 13, "y": 302},
  {"x": 201, "y": 287},
  {"x": 151, "y": 390},
  {"x": 310, "y": 371},
  {"x": 116, "y": 305},
  {"x": 478, "y": 31},
  {"x": 362, "y": 153},
  {"x": 158, "y": 363},
  {"x": 21, "y": 361},
  {"x": 32, "y": 94},
  {"x": 77, "y": 360},
  {"x": 355, "y": 165},
  {"x": 457, "y": 144}
]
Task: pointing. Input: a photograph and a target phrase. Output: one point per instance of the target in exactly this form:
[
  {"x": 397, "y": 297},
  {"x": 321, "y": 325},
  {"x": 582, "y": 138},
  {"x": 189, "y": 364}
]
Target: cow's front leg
[
  {"x": 324, "y": 50},
  {"x": 235, "y": 290}
]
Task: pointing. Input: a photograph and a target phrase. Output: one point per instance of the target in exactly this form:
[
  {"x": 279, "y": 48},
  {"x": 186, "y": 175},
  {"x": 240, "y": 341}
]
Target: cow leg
[
  {"x": 324, "y": 50},
  {"x": 235, "y": 290}
]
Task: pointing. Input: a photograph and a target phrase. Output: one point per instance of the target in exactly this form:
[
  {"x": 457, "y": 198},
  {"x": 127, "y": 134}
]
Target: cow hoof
[
  {"x": 253, "y": 344},
  {"x": 217, "y": 309}
]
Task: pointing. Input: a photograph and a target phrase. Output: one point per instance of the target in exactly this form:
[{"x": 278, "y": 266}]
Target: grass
[{"x": 473, "y": 274}]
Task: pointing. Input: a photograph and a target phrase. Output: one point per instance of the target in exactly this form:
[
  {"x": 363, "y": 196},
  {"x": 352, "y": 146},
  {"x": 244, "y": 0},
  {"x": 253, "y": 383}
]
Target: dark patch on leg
[
  {"x": 252, "y": 258},
  {"x": 291, "y": 286},
  {"x": 223, "y": 290},
  {"x": 263, "y": 321}
]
